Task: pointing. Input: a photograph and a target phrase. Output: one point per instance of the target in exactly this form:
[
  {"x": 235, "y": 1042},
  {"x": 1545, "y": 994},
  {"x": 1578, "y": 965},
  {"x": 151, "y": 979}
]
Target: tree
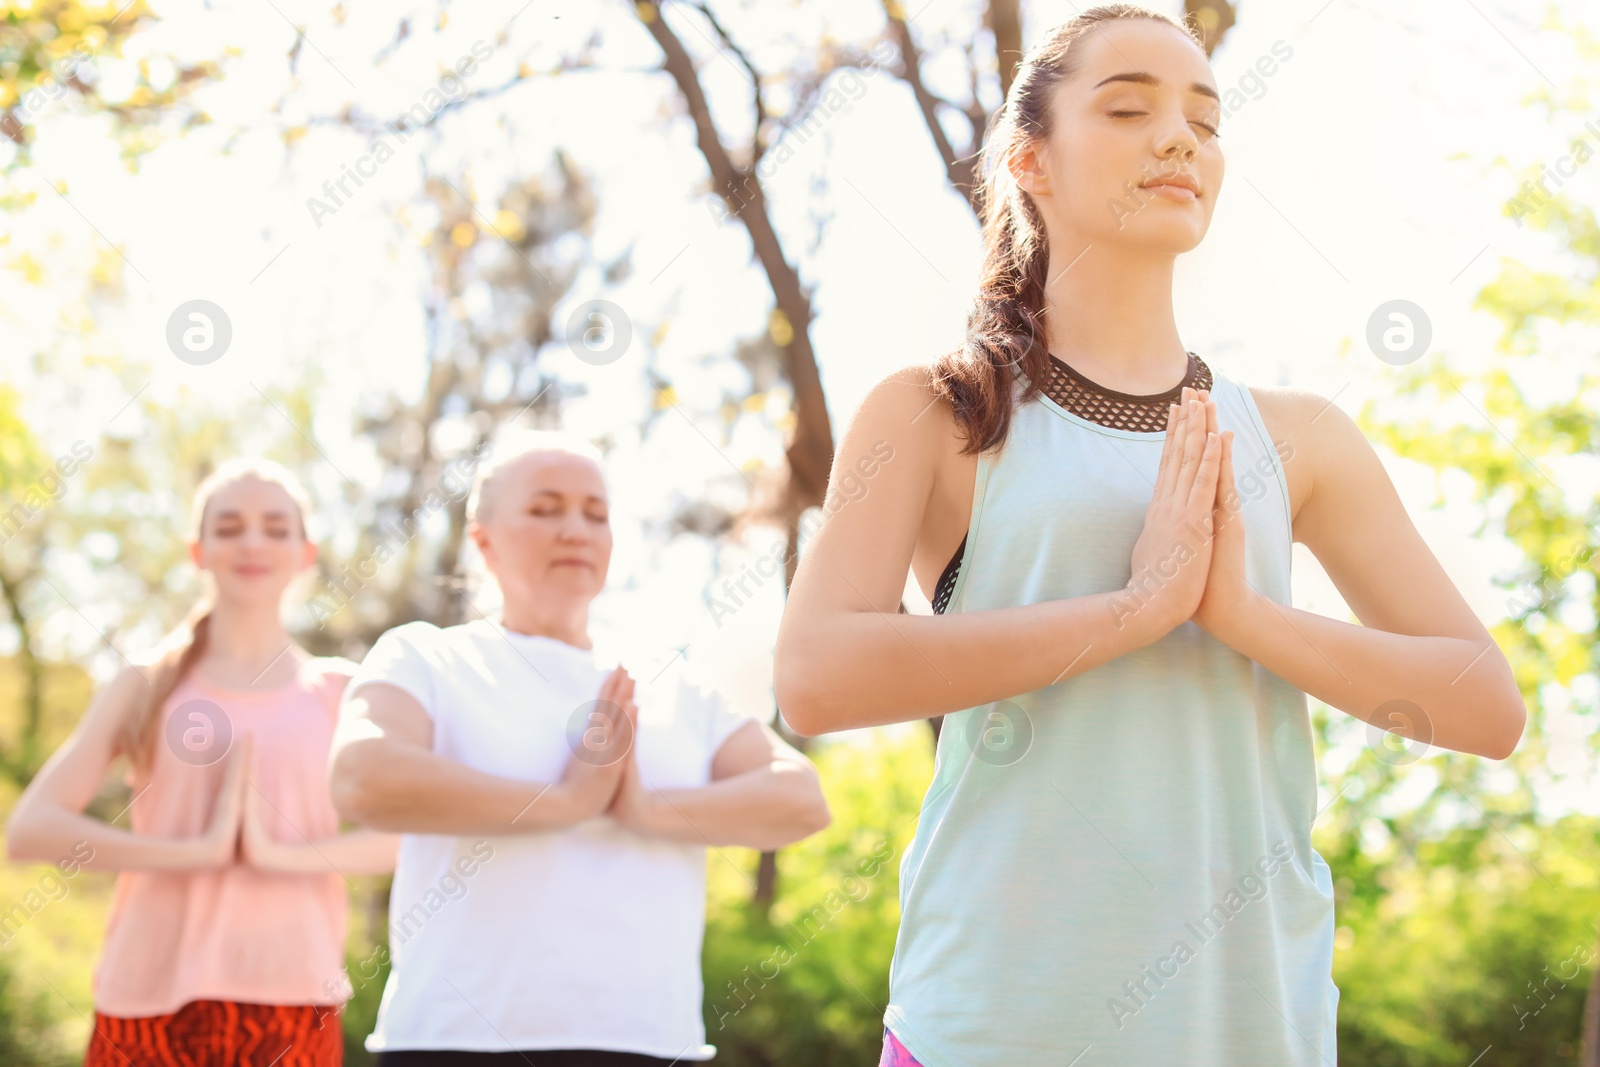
[{"x": 53, "y": 51}]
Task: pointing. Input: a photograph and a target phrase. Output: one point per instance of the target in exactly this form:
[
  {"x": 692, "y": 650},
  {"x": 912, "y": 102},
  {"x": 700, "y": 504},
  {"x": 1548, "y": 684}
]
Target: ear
[
  {"x": 194, "y": 553},
  {"x": 308, "y": 553},
  {"x": 480, "y": 537},
  {"x": 1024, "y": 165}
]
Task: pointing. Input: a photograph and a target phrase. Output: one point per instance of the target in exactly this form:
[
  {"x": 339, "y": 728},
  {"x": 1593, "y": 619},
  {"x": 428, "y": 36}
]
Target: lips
[{"x": 1177, "y": 186}]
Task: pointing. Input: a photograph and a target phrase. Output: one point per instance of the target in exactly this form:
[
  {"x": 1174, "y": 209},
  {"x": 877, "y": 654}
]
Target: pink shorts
[{"x": 894, "y": 1053}]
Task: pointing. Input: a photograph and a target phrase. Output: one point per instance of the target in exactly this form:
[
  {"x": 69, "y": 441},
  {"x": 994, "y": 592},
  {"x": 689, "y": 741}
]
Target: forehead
[
  {"x": 1143, "y": 47},
  {"x": 250, "y": 494},
  {"x": 557, "y": 472}
]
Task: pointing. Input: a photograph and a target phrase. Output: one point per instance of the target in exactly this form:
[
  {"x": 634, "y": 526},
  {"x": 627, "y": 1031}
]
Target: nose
[
  {"x": 1177, "y": 138},
  {"x": 574, "y": 527}
]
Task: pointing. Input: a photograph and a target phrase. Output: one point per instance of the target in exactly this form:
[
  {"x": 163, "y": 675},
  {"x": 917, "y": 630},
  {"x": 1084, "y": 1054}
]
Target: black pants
[{"x": 565, "y": 1057}]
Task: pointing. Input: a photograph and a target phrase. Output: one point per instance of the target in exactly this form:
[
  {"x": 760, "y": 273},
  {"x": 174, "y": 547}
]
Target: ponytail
[{"x": 181, "y": 650}]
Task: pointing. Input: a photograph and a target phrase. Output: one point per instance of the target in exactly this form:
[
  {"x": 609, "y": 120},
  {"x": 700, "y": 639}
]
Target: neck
[
  {"x": 1109, "y": 316},
  {"x": 568, "y": 623},
  {"x": 246, "y": 635}
]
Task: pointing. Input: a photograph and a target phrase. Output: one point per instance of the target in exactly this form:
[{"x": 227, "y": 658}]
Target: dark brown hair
[
  {"x": 182, "y": 648},
  {"x": 1005, "y": 328}
]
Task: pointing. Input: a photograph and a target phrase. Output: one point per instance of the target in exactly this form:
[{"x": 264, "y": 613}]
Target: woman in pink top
[{"x": 225, "y": 943}]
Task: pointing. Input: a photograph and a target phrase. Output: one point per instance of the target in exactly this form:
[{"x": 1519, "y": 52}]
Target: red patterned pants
[{"x": 220, "y": 1033}]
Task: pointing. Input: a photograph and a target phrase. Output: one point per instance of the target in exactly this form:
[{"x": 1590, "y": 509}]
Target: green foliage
[
  {"x": 368, "y": 973},
  {"x": 26, "y": 1021},
  {"x": 808, "y": 983},
  {"x": 50, "y": 52},
  {"x": 1453, "y": 959},
  {"x": 20, "y": 458}
]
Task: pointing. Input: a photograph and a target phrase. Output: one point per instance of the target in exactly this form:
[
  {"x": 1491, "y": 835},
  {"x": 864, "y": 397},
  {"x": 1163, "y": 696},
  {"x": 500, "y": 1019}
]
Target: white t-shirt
[{"x": 586, "y": 937}]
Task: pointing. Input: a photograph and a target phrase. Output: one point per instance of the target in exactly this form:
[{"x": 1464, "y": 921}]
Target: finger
[
  {"x": 1227, "y": 498},
  {"x": 1203, "y": 493},
  {"x": 1194, "y": 445},
  {"x": 629, "y": 724},
  {"x": 1181, "y": 431},
  {"x": 247, "y": 762},
  {"x": 1167, "y": 469},
  {"x": 234, "y": 776},
  {"x": 1210, "y": 410}
]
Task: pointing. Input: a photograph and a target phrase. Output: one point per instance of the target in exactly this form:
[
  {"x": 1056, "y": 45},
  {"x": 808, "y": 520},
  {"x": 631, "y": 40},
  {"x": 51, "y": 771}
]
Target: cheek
[
  {"x": 1212, "y": 169},
  {"x": 290, "y": 548},
  {"x": 1088, "y": 174},
  {"x": 217, "y": 550},
  {"x": 532, "y": 537}
]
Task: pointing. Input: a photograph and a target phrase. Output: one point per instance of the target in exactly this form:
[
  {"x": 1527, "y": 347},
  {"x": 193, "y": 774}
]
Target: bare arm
[
  {"x": 763, "y": 794},
  {"x": 48, "y": 821},
  {"x": 385, "y": 775},
  {"x": 359, "y": 851},
  {"x": 1420, "y": 663},
  {"x": 349, "y": 852},
  {"x": 846, "y": 658}
]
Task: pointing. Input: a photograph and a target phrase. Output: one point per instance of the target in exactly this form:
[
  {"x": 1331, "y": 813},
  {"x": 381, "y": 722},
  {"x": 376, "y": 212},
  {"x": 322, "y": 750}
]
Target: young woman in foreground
[
  {"x": 1113, "y": 863},
  {"x": 227, "y": 923}
]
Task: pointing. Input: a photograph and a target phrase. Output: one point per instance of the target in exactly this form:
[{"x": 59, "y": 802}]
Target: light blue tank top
[{"x": 1117, "y": 869}]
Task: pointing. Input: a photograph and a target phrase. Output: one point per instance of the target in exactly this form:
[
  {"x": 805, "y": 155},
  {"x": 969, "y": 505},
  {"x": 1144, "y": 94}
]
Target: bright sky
[{"x": 1368, "y": 167}]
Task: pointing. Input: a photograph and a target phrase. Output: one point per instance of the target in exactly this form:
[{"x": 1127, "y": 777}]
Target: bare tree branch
[{"x": 758, "y": 146}]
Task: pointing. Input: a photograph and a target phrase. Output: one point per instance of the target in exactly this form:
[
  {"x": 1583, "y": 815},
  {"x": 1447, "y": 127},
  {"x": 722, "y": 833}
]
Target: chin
[
  {"x": 1172, "y": 237},
  {"x": 252, "y": 595}
]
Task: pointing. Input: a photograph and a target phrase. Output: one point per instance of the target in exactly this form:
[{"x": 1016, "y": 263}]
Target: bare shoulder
[
  {"x": 908, "y": 398},
  {"x": 117, "y": 699},
  {"x": 1286, "y": 404},
  {"x": 903, "y": 417},
  {"x": 1305, "y": 428}
]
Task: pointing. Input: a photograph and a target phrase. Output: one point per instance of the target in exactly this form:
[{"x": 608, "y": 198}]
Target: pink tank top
[{"x": 235, "y": 932}]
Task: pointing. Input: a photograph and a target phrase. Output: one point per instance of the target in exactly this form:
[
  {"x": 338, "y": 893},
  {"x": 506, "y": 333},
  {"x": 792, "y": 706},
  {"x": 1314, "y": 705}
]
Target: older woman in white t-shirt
[{"x": 550, "y": 890}]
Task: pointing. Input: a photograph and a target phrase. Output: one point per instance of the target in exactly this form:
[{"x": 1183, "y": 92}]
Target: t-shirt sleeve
[
  {"x": 720, "y": 717},
  {"x": 401, "y": 658},
  {"x": 336, "y": 672}
]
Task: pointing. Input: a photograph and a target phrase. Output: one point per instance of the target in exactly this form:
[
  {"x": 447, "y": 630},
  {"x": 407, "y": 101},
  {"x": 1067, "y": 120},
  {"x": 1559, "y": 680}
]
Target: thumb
[{"x": 1227, "y": 496}]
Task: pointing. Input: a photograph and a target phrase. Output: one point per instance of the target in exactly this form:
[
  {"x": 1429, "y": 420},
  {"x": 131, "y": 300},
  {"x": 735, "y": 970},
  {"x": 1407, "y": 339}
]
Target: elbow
[
  {"x": 821, "y": 816},
  {"x": 814, "y": 815},
  {"x": 28, "y": 842},
  {"x": 1507, "y": 718},
  {"x": 16, "y": 849},
  {"x": 798, "y": 724},
  {"x": 800, "y": 712},
  {"x": 1514, "y": 720},
  {"x": 356, "y": 787},
  {"x": 794, "y": 686},
  {"x": 22, "y": 844},
  {"x": 1507, "y": 739},
  {"x": 803, "y": 811}
]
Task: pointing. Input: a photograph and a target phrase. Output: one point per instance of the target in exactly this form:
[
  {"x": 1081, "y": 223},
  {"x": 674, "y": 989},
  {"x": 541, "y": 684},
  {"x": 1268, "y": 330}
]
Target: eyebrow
[
  {"x": 1144, "y": 78},
  {"x": 559, "y": 494}
]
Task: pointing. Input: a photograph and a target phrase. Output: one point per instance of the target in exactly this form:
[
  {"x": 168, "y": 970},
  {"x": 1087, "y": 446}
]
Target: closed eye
[{"x": 1212, "y": 130}]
